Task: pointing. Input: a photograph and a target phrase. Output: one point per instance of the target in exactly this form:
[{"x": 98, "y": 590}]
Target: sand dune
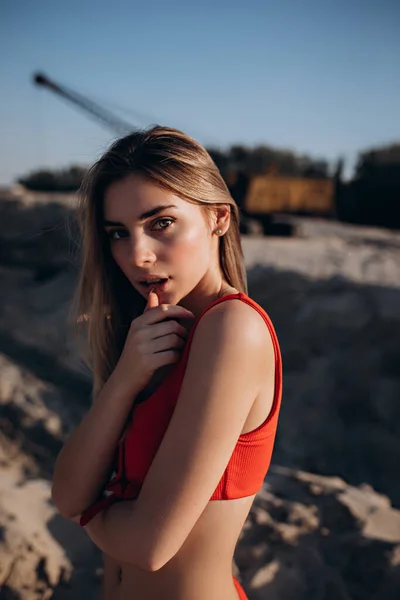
[{"x": 326, "y": 523}]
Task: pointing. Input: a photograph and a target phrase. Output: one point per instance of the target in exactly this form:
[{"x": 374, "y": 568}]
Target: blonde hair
[{"x": 105, "y": 301}]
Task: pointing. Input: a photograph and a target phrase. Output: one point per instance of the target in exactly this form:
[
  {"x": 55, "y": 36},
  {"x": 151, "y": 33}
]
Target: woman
[{"x": 163, "y": 469}]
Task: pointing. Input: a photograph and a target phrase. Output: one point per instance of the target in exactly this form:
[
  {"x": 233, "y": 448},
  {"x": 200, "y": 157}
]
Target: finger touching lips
[{"x": 152, "y": 300}]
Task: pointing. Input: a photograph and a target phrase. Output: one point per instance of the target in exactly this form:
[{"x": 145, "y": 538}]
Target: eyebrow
[{"x": 143, "y": 216}]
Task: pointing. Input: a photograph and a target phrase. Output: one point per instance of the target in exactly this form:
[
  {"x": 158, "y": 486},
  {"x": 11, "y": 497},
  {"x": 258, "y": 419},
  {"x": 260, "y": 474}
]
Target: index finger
[
  {"x": 152, "y": 300},
  {"x": 167, "y": 311}
]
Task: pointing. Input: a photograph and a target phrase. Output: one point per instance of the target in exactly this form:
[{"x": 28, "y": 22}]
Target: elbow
[
  {"x": 140, "y": 559},
  {"x": 152, "y": 559},
  {"x": 56, "y": 501},
  {"x": 143, "y": 546},
  {"x": 64, "y": 507},
  {"x": 64, "y": 510},
  {"x": 148, "y": 556},
  {"x": 149, "y": 564}
]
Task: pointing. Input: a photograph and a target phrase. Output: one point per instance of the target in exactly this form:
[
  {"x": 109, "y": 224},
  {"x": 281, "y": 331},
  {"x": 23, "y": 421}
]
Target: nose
[{"x": 141, "y": 252}]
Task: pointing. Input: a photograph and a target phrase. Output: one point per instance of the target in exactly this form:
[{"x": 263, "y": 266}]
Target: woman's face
[{"x": 159, "y": 240}]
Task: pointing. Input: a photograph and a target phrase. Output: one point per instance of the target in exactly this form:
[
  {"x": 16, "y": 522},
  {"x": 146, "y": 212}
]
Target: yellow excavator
[{"x": 260, "y": 197}]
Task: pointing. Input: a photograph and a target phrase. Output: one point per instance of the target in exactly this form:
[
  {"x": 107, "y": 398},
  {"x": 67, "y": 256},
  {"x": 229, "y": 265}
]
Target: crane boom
[{"x": 113, "y": 122}]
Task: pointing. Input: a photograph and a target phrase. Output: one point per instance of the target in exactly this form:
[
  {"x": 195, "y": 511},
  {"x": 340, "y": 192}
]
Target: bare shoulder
[{"x": 237, "y": 323}]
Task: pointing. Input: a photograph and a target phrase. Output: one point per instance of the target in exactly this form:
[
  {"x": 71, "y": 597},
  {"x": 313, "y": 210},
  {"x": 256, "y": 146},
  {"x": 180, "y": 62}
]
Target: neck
[{"x": 197, "y": 302}]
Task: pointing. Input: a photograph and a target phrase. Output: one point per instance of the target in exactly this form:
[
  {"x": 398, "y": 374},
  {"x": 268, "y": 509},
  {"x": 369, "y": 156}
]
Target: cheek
[
  {"x": 192, "y": 247},
  {"x": 119, "y": 255}
]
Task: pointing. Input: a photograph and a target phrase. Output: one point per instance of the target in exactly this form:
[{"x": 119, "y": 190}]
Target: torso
[{"x": 202, "y": 568}]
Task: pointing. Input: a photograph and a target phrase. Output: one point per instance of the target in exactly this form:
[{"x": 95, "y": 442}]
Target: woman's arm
[
  {"x": 85, "y": 460},
  {"x": 230, "y": 356},
  {"x": 153, "y": 341}
]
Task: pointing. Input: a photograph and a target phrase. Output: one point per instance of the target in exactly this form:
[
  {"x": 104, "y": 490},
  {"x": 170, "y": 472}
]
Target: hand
[{"x": 155, "y": 339}]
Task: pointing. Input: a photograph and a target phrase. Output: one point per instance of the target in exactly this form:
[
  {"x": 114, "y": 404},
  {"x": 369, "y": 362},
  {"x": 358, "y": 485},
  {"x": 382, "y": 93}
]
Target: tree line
[
  {"x": 251, "y": 161},
  {"x": 371, "y": 197}
]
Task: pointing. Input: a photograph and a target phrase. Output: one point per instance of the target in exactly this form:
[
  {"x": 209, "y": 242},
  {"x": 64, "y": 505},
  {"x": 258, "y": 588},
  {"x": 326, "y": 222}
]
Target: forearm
[
  {"x": 85, "y": 460},
  {"x": 115, "y": 533}
]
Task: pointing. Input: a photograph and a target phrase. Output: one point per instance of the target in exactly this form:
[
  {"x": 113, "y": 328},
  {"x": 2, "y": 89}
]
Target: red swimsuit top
[{"x": 251, "y": 457}]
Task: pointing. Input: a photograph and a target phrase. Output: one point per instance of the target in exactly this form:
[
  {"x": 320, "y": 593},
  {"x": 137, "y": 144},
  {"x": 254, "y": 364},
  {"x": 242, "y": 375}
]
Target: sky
[{"x": 318, "y": 77}]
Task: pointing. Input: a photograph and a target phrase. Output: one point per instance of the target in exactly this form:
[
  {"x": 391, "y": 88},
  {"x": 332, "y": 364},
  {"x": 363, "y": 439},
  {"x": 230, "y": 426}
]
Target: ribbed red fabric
[{"x": 251, "y": 457}]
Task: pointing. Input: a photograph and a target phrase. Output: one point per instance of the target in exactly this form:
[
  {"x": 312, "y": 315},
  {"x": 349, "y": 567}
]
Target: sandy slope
[{"x": 333, "y": 295}]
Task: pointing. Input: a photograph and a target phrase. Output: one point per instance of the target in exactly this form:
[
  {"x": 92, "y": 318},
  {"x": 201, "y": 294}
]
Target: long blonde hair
[{"x": 106, "y": 302}]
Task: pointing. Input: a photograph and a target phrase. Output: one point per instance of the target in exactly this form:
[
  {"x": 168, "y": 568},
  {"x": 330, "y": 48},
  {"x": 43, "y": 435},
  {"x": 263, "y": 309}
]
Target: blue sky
[{"x": 317, "y": 77}]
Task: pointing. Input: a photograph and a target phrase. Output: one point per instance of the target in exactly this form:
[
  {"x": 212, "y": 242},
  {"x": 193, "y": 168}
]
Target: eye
[
  {"x": 163, "y": 223},
  {"x": 116, "y": 234}
]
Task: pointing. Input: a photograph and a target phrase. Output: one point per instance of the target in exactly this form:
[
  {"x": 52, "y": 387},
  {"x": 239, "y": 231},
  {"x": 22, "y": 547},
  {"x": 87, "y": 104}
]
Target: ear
[{"x": 222, "y": 218}]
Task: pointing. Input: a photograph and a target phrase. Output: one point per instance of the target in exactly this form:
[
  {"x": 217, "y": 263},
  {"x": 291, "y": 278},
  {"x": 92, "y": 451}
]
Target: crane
[
  {"x": 259, "y": 197},
  {"x": 116, "y": 124}
]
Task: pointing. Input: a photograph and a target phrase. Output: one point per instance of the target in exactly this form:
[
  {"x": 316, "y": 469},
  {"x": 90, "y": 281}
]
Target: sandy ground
[{"x": 326, "y": 524}]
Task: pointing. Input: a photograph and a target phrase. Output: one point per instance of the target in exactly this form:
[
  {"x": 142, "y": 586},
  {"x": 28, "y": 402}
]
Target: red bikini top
[{"x": 251, "y": 457}]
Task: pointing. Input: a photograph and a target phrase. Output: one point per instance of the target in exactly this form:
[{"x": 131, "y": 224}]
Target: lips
[
  {"x": 159, "y": 283},
  {"x": 149, "y": 281}
]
